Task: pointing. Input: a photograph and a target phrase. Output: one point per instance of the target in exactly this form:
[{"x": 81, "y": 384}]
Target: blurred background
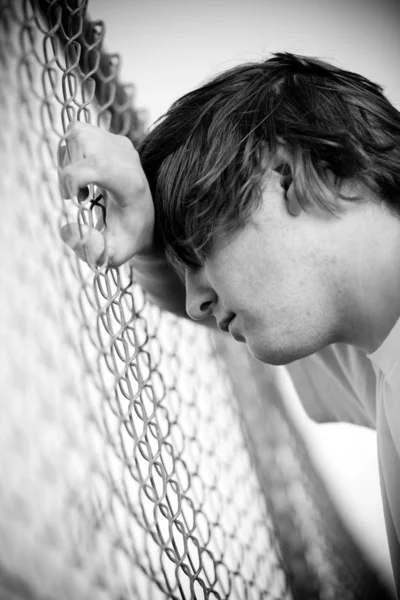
[{"x": 169, "y": 47}]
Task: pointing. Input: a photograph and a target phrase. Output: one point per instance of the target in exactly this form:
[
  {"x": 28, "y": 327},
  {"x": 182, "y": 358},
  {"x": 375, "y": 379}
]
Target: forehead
[{"x": 209, "y": 230}]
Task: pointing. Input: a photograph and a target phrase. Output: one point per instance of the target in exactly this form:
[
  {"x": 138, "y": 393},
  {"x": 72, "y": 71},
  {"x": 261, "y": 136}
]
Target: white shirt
[
  {"x": 387, "y": 361},
  {"x": 341, "y": 383}
]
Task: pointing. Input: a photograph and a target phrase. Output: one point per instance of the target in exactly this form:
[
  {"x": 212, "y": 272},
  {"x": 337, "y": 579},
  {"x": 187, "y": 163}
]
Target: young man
[{"x": 269, "y": 199}]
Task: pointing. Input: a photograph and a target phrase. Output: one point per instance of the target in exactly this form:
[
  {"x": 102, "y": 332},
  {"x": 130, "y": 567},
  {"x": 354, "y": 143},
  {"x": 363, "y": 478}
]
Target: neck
[{"x": 373, "y": 280}]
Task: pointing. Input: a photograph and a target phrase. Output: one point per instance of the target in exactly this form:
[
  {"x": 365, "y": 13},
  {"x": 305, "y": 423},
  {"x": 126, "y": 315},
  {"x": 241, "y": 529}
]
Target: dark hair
[{"x": 206, "y": 158}]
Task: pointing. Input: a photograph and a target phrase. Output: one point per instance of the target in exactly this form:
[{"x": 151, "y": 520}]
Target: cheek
[
  {"x": 283, "y": 295},
  {"x": 268, "y": 285},
  {"x": 288, "y": 329},
  {"x": 267, "y": 300}
]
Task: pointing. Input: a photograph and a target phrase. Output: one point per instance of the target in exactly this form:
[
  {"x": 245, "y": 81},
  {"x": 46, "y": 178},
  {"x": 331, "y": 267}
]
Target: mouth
[
  {"x": 235, "y": 334},
  {"x": 225, "y": 323}
]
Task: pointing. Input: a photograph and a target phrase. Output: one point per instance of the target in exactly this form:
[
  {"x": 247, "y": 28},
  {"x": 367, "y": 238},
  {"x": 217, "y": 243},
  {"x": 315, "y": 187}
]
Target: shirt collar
[{"x": 388, "y": 353}]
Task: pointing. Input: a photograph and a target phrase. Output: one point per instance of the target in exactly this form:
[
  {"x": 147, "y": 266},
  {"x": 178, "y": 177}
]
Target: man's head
[{"x": 251, "y": 175}]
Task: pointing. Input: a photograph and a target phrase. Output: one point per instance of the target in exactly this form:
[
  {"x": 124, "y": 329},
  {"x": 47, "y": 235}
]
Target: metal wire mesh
[{"x": 126, "y": 472}]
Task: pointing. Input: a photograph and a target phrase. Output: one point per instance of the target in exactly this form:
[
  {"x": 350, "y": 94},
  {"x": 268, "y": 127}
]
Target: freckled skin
[{"x": 298, "y": 283}]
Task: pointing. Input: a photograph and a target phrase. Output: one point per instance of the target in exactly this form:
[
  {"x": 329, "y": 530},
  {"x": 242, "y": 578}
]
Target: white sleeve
[{"x": 388, "y": 430}]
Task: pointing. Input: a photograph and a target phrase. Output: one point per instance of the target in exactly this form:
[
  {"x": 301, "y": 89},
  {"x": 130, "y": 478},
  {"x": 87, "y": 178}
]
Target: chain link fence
[{"x": 141, "y": 457}]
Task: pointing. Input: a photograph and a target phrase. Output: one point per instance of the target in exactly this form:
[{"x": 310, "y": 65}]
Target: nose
[{"x": 200, "y": 296}]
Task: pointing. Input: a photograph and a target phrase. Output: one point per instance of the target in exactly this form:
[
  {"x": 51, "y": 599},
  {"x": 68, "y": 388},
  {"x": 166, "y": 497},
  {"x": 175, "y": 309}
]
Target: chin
[{"x": 275, "y": 356}]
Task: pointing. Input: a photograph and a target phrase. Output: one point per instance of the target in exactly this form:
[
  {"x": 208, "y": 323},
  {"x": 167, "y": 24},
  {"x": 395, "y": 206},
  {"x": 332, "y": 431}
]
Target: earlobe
[{"x": 293, "y": 204}]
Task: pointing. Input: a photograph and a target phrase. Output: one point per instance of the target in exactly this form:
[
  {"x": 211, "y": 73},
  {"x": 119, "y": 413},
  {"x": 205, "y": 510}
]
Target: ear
[{"x": 292, "y": 202}]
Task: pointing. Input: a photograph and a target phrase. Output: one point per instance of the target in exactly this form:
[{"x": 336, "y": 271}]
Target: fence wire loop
[{"x": 134, "y": 465}]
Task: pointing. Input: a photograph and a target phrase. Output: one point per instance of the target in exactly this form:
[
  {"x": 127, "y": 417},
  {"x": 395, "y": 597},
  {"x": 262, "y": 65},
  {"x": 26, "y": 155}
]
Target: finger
[
  {"x": 76, "y": 178},
  {"x": 68, "y": 191},
  {"x": 99, "y": 219},
  {"x": 125, "y": 234},
  {"x": 97, "y": 170},
  {"x": 83, "y": 139},
  {"x": 87, "y": 243},
  {"x": 75, "y": 142},
  {"x": 69, "y": 152}
]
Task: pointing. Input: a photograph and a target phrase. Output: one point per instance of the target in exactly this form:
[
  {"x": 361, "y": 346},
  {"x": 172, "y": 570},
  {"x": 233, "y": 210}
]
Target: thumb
[{"x": 87, "y": 243}]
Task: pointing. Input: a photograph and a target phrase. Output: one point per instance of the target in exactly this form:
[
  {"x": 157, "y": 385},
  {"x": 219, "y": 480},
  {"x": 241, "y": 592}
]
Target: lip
[
  {"x": 235, "y": 334},
  {"x": 225, "y": 323}
]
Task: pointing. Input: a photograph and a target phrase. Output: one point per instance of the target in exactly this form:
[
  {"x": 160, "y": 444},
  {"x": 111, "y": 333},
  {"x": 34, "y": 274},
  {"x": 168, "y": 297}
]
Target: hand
[{"x": 110, "y": 161}]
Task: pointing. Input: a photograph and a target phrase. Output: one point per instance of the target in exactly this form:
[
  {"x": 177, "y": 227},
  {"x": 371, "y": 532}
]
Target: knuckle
[
  {"x": 98, "y": 162},
  {"x": 77, "y": 132},
  {"x": 141, "y": 184},
  {"x": 73, "y": 128},
  {"x": 126, "y": 143},
  {"x": 135, "y": 153}
]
